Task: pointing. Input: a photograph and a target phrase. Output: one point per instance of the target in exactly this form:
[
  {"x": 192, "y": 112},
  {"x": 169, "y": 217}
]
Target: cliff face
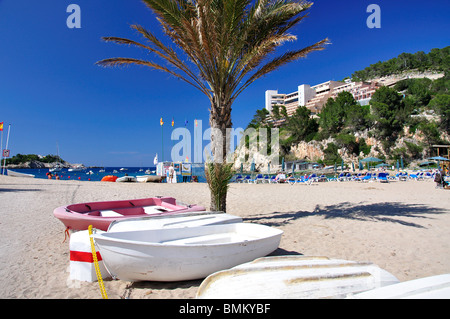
[{"x": 314, "y": 151}]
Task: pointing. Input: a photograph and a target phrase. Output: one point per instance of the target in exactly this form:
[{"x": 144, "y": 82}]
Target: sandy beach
[{"x": 403, "y": 227}]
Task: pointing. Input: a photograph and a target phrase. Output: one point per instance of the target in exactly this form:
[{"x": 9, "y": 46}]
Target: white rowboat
[
  {"x": 190, "y": 219},
  {"x": 148, "y": 178},
  {"x": 17, "y": 174},
  {"x": 126, "y": 179},
  {"x": 294, "y": 277},
  {"x": 434, "y": 287},
  {"x": 189, "y": 253}
]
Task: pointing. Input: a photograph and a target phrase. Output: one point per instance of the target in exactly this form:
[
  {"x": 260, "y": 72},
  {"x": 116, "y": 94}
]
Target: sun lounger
[
  {"x": 238, "y": 179},
  {"x": 259, "y": 178},
  {"x": 382, "y": 178},
  {"x": 367, "y": 178}
]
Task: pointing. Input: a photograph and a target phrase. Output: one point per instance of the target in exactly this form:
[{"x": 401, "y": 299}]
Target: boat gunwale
[{"x": 106, "y": 237}]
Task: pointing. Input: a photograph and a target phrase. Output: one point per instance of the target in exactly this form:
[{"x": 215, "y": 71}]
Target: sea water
[{"x": 94, "y": 174}]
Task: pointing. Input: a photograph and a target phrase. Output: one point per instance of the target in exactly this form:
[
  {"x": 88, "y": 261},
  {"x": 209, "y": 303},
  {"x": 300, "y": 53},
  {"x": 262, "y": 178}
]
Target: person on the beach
[
  {"x": 439, "y": 178},
  {"x": 280, "y": 178},
  {"x": 171, "y": 173}
]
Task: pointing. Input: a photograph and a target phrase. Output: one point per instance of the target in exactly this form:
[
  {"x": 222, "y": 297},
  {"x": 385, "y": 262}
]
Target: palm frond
[{"x": 218, "y": 176}]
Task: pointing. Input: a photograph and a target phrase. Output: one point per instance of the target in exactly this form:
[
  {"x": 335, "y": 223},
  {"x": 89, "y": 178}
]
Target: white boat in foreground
[
  {"x": 434, "y": 287},
  {"x": 17, "y": 174},
  {"x": 190, "y": 219},
  {"x": 189, "y": 253},
  {"x": 283, "y": 277}
]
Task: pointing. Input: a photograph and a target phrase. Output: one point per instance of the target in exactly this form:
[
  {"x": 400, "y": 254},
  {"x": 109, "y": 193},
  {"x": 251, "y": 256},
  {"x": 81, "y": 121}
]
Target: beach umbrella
[
  {"x": 268, "y": 168},
  {"x": 252, "y": 167},
  {"x": 360, "y": 166},
  {"x": 242, "y": 168},
  {"x": 438, "y": 159},
  {"x": 282, "y": 164},
  {"x": 353, "y": 166},
  {"x": 368, "y": 160},
  {"x": 342, "y": 165},
  {"x": 397, "y": 165},
  {"x": 371, "y": 159},
  {"x": 335, "y": 168},
  {"x": 427, "y": 163},
  {"x": 401, "y": 162}
]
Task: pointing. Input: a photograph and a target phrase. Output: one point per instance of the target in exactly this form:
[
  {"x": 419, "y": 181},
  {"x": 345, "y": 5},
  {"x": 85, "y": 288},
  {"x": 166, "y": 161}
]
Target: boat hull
[
  {"x": 433, "y": 287},
  {"x": 149, "y": 178},
  {"x": 17, "y": 174},
  {"x": 284, "y": 277},
  {"x": 101, "y": 214},
  {"x": 179, "y": 254},
  {"x": 126, "y": 179}
]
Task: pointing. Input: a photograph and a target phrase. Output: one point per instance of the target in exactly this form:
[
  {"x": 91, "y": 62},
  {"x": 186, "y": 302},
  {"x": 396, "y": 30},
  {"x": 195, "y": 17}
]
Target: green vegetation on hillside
[
  {"x": 20, "y": 159},
  {"x": 420, "y": 105},
  {"x": 435, "y": 60}
]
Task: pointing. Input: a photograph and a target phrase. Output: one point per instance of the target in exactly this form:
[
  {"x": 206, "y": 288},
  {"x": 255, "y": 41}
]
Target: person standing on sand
[{"x": 171, "y": 173}]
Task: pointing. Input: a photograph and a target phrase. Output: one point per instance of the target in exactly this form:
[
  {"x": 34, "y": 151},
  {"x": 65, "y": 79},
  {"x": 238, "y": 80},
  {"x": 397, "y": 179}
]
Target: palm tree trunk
[{"x": 220, "y": 120}]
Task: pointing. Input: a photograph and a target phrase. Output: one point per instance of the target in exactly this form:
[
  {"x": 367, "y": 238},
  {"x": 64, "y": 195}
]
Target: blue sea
[{"x": 84, "y": 175}]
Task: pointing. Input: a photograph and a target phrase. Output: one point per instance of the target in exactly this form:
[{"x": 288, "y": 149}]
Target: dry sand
[{"x": 403, "y": 227}]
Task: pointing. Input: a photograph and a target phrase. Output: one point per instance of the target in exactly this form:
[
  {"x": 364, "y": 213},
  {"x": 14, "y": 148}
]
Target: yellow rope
[{"x": 97, "y": 268}]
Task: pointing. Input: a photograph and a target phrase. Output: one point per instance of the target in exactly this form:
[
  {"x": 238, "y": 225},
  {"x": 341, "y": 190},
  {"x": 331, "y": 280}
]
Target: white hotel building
[{"x": 314, "y": 97}]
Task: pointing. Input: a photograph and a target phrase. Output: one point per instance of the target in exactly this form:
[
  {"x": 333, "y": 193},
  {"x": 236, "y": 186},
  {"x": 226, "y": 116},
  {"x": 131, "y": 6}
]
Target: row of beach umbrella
[{"x": 367, "y": 160}]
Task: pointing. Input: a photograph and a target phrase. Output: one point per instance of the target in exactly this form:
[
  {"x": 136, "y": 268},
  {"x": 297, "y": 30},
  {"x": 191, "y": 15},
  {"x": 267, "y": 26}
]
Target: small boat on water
[
  {"x": 434, "y": 287},
  {"x": 17, "y": 174},
  {"x": 189, "y": 253},
  {"x": 190, "y": 219},
  {"x": 77, "y": 168},
  {"x": 101, "y": 214},
  {"x": 283, "y": 277},
  {"x": 57, "y": 168},
  {"x": 126, "y": 179}
]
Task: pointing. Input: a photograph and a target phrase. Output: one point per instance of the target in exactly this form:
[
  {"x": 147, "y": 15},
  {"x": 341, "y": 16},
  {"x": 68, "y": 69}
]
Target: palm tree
[{"x": 220, "y": 48}]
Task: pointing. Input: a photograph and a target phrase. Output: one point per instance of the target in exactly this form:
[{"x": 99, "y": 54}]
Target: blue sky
[{"x": 52, "y": 92}]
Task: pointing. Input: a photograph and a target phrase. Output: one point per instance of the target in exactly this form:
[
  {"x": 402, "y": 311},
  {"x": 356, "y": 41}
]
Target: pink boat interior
[
  {"x": 148, "y": 206},
  {"x": 101, "y": 214}
]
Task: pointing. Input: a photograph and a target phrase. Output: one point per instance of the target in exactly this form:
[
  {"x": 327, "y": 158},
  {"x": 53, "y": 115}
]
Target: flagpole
[
  {"x": 1, "y": 149},
  {"x": 162, "y": 142},
  {"x": 7, "y": 140}
]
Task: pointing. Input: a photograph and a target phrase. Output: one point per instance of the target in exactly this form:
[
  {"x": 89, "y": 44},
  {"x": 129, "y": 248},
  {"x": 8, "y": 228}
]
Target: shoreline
[{"x": 403, "y": 227}]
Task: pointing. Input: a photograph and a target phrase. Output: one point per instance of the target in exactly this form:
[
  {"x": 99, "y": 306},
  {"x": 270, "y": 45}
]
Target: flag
[
  {"x": 185, "y": 123},
  {"x": 1, "y": 126},
  {"x": 161, "y": 122},
  {"x": 195, "y": 122},
  {"x": 172, "y": 122}
]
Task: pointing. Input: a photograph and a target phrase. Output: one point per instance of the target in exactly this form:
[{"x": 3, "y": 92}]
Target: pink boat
[{"x": 101, "y": 214}]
